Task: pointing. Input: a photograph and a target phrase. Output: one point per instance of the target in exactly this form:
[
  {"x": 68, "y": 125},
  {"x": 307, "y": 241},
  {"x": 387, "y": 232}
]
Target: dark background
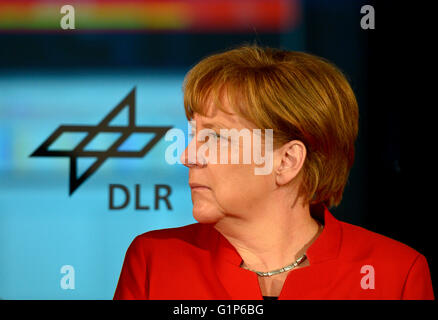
[{"x": 388, "y": 191}]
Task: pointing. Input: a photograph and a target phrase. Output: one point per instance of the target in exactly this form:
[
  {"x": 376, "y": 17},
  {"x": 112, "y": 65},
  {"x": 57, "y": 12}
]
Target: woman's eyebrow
[{"x": 214, "y": 125}]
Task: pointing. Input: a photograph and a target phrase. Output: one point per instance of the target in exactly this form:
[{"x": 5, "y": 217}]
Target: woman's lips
[
  {"x": 197, "y": 186},
  {"x": 200, "y": 189}
]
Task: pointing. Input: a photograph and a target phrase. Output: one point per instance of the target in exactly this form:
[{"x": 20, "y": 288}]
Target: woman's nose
[{"x": 190, "y": 158}]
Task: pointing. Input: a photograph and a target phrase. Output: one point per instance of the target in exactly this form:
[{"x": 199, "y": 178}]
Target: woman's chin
[{"x": 206, "y": 215}]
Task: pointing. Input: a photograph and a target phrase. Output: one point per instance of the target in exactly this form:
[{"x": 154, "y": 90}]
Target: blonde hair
[{"x": 298, "y": 95}]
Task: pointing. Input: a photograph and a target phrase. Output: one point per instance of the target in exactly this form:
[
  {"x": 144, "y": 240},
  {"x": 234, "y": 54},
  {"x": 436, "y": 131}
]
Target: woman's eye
[
  {"x": 216, "y": 135},
  {"x": 211, "y": 134}
]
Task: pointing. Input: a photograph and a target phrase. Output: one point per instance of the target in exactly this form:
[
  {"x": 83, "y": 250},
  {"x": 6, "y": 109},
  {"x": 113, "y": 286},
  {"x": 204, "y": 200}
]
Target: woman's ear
[{"x": 292, "y": 156}]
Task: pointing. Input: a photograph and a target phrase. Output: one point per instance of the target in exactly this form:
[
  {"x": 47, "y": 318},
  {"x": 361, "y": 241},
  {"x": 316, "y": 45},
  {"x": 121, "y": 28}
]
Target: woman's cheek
[{"x": 231, "y": 187}]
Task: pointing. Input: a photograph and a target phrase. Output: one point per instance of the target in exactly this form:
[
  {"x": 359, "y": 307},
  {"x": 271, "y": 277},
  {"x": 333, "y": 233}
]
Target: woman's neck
[{"x": 270, "y": 238}]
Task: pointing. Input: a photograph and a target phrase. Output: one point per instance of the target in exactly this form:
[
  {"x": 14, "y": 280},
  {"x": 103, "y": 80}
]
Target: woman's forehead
[
  {"x": 220, "y": 120},
  {"x": 218, "y": 110}
]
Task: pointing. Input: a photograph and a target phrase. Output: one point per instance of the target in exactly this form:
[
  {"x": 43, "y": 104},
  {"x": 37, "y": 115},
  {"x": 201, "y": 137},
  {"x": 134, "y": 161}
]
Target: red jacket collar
[{"x": 328, "y": 244}]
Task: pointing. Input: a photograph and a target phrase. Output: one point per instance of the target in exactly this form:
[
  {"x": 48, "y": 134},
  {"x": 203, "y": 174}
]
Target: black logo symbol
[{"x": 124, "y": 131}]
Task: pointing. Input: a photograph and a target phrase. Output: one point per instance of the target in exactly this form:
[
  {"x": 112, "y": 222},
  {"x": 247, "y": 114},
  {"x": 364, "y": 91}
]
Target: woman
[{"x": 270, "y": 235}]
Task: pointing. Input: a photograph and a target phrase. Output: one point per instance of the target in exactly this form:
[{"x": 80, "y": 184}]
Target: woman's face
[{"x": 225, "y": 189}]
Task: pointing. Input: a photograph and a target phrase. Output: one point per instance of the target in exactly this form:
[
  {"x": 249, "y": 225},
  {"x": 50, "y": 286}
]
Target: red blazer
[{"x": 346, "y": 262}]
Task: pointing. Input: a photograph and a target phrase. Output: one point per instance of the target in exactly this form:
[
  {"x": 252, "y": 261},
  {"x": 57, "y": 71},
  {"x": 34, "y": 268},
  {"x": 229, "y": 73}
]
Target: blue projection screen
[{"x": 46, "y": 233}]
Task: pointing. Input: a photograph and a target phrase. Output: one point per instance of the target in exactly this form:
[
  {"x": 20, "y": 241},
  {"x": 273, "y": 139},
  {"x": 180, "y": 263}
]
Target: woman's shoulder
[
  {"x": 357, "y": 240},
  {"x": 387, "y": 262},
  {"x": 196, "y": 235}
]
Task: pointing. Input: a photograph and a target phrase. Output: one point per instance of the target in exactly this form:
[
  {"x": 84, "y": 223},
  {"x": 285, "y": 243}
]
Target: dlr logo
[{"x": 162, "y": 193}]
